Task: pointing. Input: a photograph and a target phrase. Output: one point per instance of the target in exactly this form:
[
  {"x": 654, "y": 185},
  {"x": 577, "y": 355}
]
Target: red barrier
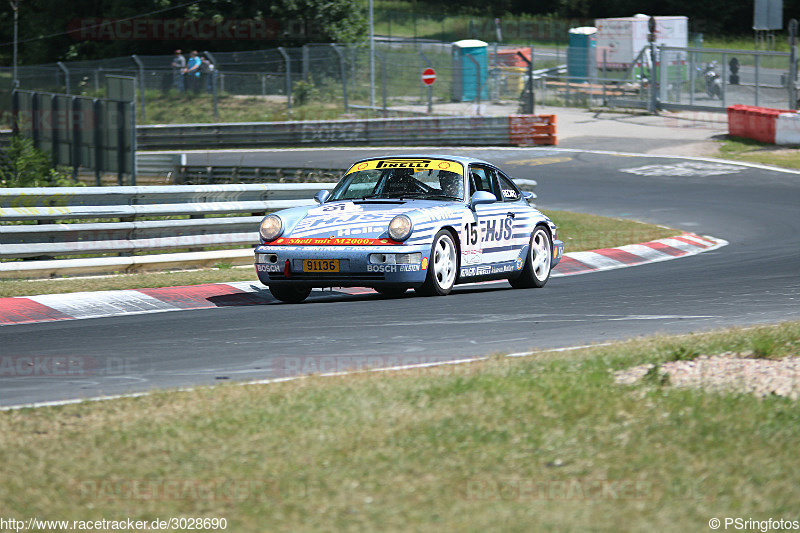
[
  {"x": 753, "y": 122},
  {"x": 524, "y": 130}
]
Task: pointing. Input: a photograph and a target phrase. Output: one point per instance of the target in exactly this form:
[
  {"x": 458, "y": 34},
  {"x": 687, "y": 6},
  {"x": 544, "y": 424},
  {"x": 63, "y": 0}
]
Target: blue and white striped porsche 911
[{"x": 400, "y": 222}]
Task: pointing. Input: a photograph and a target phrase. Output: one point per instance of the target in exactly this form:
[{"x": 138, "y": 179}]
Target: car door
[{"x": 487, "y": 238}]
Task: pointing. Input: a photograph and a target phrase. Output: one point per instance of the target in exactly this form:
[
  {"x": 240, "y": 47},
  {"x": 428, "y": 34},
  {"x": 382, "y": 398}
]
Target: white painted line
[
  {"x": 104, "y": 303},
  {"x": 680, "y": 245},
  {"x": 597, "y": 261},
  {"x": 646, "y": 253}
]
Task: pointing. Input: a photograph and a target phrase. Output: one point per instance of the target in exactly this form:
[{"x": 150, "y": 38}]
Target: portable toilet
[
  {"x": 581, "y": 56},
  {"x": 466, "y": 76}
]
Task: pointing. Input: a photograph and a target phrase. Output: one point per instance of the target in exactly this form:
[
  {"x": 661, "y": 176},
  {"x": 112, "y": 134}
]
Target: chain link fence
[{"x": 340, "y": 74}]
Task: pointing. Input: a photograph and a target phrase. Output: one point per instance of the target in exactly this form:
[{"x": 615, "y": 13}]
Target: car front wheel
[
  {"x": 443, "y": 266},
  {"x": 538, "y": 263}
]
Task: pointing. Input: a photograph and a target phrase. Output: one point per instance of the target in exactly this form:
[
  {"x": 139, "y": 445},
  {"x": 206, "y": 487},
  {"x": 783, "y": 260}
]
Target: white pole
[{"x": 371, "y": 57}]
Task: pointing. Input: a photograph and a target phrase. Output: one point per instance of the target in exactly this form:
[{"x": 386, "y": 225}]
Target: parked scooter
[{"x": 713, "y": 81}]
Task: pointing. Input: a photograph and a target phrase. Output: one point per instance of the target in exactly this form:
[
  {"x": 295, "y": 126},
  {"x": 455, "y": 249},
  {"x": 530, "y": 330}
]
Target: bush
[
  {"x": 304, "y": 92},
  {"x": 22, "y": 165}
]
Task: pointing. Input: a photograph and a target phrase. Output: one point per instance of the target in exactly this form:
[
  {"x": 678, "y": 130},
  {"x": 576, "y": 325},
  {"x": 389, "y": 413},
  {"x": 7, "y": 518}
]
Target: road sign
[{"x": 428, "y": 76}]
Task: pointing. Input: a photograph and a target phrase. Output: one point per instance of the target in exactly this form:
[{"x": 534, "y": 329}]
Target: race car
[{"x": 400, "y": 222}]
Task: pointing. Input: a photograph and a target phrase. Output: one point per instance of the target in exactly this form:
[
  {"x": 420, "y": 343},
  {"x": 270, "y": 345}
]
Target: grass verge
[
  {"x": 579, "y": 232},
  {"x": 546, "y": 442},
  {"x": 752, "y": 151}
]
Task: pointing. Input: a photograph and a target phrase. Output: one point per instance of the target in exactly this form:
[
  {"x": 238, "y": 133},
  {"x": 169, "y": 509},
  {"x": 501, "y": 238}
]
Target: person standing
[
  {"x": 193, "y": 72},
  {"x": 207, "y": 70},
  {"x": 178, "y": 68}
]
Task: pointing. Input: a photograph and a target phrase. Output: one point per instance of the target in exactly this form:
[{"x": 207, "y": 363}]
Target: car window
[
  {"x": 508, "y": 190},
  {"x": 483, "y": 179},
  {"x": 432, "y": 184}
]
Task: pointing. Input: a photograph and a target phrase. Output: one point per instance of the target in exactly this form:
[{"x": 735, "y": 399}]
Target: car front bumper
[{"x": 358, "y": 266}]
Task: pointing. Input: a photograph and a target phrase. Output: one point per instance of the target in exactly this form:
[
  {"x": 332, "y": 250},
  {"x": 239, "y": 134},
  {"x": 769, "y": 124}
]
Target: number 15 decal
[{"x": 471, "y": 233}]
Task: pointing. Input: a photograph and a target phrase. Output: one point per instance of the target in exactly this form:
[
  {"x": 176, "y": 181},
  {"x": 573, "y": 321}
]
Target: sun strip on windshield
[{"x": 420, "y": 163}]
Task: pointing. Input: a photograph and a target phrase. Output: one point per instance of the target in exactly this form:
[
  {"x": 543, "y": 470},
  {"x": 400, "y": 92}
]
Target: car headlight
[
  {"x": 271, "y": 227},
  {"x": 400, "y": 228}
]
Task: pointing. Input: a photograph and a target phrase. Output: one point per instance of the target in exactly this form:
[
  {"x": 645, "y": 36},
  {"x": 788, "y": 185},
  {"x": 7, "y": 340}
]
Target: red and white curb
[
  {"x": 636, "y": 254},
  {"x": 78, "y": 305}
]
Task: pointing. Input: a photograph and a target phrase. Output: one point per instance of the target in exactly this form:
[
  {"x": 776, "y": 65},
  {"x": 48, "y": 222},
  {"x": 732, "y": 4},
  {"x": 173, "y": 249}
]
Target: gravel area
[{"x": 726, "y": 372}]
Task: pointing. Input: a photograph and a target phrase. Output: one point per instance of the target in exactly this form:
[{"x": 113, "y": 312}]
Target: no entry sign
[{"x": 428, "y": 76}]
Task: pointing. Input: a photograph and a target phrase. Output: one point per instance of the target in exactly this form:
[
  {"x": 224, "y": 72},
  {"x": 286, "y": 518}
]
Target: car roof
[{"x": 457, "y": 158}]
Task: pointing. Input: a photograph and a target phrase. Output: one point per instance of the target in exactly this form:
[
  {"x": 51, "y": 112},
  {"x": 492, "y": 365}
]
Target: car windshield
[{"x": 429, "y": 184}]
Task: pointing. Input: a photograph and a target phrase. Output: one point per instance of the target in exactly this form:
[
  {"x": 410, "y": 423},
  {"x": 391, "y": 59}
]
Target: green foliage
[
  {"x": 22, "y": 165},
  {"x": 338, "y": 21},
  {"x": 304, "y": 92}
]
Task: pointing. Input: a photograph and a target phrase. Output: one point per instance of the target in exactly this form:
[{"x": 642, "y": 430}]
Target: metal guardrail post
[
  {"x": 792, "y": 83},
  {"x": 288, "y": 61},
  {"x": 758, "y": 68},
  {"x": 120, "y": 142},
  {"x": 605, "y": 76},
  {"x": 132, "y": 126},
  {"x": 382, "y": 59},
  {"x": 693, "y": 70},
  {"x": 530, "y": 107},
  {"x": 306, "y": 61},
  {"x": 75, "y": 118},
  {"x": 15, "y": 111},
  {"x": 663, "y": 75},
  {"x": 724, "y": 77},
  {"x": 213, "y": 61},
  {"x": 342, "y": 74},
  {"x": 97, "y": 107},
  {"x": 65, "y": 70},
  {"x": 141, "y": 82}
]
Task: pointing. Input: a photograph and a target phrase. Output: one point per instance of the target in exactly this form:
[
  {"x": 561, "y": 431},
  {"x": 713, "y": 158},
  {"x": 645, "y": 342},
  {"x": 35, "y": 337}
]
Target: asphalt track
[{"x": 754, "y": 280}]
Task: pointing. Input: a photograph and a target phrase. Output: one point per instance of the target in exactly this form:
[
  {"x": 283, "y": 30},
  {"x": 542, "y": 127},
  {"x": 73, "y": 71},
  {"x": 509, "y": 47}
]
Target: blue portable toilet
[
  {"x": 581, "y": 56},
  {"x": 465, "y": 75}
]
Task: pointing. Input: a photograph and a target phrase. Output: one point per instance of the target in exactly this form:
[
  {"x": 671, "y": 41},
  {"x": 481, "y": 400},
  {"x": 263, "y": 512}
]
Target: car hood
[{"x": 357, "y": 219}]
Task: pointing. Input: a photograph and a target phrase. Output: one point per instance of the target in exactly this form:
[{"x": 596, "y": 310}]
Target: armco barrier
[
  {"x": 441, "y": 131},
  {"x": 758, "y": 123},
  {"x": 38, "y": 225},
  {"x": 80, "y": 221}
]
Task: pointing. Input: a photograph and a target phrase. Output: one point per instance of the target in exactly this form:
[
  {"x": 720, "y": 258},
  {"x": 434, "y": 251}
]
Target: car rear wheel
[
  {"x": 443, "y": 266},
  {"x": 538, "y": 263},
  {"x": 291, "y": 294}
]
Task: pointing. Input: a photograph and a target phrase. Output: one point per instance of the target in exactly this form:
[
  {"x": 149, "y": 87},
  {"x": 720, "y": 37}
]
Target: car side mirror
[
  {"x": 321, "y": 196},
  {"x": 481, "y": 197}
]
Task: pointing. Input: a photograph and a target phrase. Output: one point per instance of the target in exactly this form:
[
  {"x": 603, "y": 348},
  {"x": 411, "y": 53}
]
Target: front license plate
[{"x": 320, "y": 265}]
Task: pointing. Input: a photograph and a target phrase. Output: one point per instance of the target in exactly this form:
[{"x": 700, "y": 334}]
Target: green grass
[
  {"x": 582, "y": 232},
  {"x": 749, "y": 150},
  {"x": 543, "y": 443},
  {"x": 579, "y": 232},
  {"x": 187, "y": 108}
]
